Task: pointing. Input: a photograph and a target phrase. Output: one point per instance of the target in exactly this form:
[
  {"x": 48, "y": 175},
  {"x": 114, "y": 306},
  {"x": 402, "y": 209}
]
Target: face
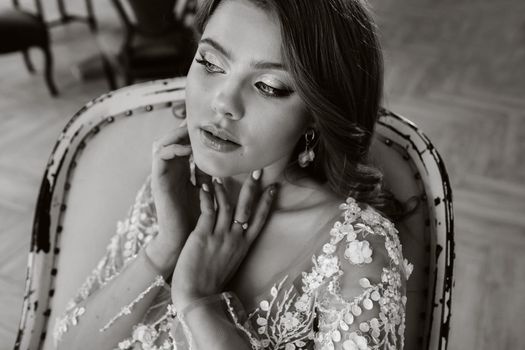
[{"x": 237, "y": 85}]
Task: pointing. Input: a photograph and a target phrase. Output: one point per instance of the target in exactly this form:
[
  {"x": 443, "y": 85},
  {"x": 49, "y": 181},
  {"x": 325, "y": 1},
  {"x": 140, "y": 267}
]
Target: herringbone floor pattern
[{"x": 456, "y": 68}]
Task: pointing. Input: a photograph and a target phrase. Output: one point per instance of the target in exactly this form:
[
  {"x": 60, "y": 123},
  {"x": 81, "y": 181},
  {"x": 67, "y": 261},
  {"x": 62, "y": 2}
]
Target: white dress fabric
[{"x": 334, "y": 304}]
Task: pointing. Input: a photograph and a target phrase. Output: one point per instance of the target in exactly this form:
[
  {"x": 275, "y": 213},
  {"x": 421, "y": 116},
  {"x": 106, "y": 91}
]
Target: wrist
[
  {"x": 162, "y": 256},
  {"x": 184, "y": 301}
]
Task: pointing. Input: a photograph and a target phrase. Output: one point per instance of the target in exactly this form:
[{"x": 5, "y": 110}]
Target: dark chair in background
[
  {"x": 66, "y": 17},
  {"x": 20, "y": 30},
  {"x": 157, "y": 43}
]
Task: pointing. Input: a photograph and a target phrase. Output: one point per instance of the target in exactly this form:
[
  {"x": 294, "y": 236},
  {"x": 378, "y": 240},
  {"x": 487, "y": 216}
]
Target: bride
[{"x": 261, "y": 225}]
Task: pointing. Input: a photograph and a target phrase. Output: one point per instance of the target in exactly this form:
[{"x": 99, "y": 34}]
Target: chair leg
[
  {"x": 48, "y": 71},
  {"x": 128, "y": 79},
  {"x": 91, "y": 16},
  {"x": 27, "y": 61},
  {"x": 108, "y": 70},
  {"x": 128, "y": 76},
  {"x": 62, "y": 11}
]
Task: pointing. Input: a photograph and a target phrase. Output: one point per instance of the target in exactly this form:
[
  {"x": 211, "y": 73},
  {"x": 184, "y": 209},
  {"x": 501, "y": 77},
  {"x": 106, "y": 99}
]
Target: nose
[{"x": 228, "y": 102}]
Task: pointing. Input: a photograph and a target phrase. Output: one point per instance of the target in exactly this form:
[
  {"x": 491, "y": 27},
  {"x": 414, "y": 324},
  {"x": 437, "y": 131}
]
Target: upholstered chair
[{"x": 103, "y": 156}]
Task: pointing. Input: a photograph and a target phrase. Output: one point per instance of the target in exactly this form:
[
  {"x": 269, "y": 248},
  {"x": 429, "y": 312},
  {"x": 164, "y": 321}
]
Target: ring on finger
[{"x": 244, "y": 225}]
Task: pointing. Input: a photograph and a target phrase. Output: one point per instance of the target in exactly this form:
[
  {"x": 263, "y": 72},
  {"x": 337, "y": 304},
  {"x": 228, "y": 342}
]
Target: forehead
[{"x": 246, "y": 30}]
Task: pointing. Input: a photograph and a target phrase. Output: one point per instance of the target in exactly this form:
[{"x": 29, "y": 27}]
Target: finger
[
  {"x": 178, "y": 135},
  {"x": 224, "y": 216},
  {"x": 201, "y": 177},
  {"x": 206, "y": 220},
  {"x": 249, "y": 190},
  {"x": 174, "y": 150},
  {"x": 261, "y": 213},
  {"x": 155, "y": 147},
  {"x": 174, "y": 137}
]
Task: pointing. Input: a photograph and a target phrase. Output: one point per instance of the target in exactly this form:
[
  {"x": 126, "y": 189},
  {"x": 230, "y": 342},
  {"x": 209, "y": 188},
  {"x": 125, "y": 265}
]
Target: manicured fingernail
[
  {"x": 183, "y": 123},
  {"x": 205, "y": 187},
  {"x": 217, "y": 180},
  {"x": 256, "y": 174}
]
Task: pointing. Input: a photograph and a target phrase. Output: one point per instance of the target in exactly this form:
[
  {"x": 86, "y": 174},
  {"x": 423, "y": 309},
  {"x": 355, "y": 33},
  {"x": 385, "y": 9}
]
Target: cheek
[
  {"x": 275, "y": 139},
  {"x": 197, "y": 97},
  {"x": 194, "y": 92},
  {"x": 279, "y": 138}
]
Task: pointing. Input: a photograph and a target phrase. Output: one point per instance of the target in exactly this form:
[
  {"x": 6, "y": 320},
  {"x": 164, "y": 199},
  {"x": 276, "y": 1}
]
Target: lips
[
  {"x": 217, "y": 144},
  {"x": 221, "y": 134},
  {"x": 218, "y": 139}
]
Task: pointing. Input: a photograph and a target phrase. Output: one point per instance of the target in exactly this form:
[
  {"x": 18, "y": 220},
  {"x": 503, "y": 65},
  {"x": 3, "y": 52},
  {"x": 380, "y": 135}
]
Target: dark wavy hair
[{"x": 331, "y": 49}]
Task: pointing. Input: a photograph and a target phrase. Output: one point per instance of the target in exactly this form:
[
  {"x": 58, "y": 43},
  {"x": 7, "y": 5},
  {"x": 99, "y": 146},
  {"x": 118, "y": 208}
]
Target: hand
[
  {"x": 217, "y": 246},
  {"x": 176, "y": 199}
]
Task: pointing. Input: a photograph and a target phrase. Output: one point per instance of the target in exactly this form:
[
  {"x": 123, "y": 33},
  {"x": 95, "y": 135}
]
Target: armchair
[{"x": 102, "y": 157}]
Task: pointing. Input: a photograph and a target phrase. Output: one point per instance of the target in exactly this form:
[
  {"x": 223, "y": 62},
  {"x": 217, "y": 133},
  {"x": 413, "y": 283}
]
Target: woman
[{"x": 282, "y": 248}]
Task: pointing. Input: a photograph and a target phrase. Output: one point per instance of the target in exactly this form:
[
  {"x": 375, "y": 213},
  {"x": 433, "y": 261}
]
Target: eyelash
[{"x": 278, "y": 93}]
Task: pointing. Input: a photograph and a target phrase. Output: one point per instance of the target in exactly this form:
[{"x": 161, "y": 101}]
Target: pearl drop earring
[{"x": 307, "y": 156}]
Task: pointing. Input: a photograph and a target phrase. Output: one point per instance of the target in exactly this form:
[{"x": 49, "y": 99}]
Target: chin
[{"x": 214, "y": 165}]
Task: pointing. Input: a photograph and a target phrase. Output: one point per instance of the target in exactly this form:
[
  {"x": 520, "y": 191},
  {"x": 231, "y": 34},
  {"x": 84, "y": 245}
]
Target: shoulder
[
  {"x": 361, "y": 243},
  {"x": 365, "y": 239},
  {"x": 371, "y": 241},
  {"x": 362, "y": 281}
]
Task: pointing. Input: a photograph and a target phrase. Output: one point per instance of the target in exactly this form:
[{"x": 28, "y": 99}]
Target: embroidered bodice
[{"x": 352, "y": 296}]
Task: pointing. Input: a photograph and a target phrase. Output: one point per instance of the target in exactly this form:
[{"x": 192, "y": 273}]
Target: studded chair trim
[{"x": 438, "y": 194}]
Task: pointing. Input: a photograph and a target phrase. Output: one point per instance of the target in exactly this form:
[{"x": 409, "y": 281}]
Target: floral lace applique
[
  {"x": 286, "y": 320},
  {"x": 154, "y": 336}
]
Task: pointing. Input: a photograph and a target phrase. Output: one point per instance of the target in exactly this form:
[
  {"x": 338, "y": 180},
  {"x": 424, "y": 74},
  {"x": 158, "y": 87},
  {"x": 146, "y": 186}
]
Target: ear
[{"x": 310, "y": 125}]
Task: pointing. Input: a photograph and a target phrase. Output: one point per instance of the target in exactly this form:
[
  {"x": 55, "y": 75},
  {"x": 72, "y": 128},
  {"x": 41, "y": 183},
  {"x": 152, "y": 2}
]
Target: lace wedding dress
[{"x": 323, "y": 307}]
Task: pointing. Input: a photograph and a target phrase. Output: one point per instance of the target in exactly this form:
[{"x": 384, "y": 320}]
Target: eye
[
  {"x": 208, "y": 66},
  {"x": 271, "y": 91}
]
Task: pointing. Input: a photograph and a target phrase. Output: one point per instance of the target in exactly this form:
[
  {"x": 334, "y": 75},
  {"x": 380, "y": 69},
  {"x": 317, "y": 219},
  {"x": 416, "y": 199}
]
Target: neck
[{"x": 291, "y": 191}]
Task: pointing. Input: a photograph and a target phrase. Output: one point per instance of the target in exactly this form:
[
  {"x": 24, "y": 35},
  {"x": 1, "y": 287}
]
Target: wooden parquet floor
[{"x": 456, "y": 68}]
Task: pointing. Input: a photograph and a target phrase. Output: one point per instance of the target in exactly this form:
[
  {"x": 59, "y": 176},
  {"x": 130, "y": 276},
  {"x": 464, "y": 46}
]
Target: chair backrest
[
  {"x": 413, "y": 168},
  {"x": 38, "y": 11},
  {"x": 152, "y": 18},
  {"x": 103, "y": 155}
]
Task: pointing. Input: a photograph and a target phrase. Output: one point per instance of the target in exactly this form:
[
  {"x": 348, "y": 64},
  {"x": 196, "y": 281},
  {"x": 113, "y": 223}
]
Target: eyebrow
[{"x": 228, "y": 54}]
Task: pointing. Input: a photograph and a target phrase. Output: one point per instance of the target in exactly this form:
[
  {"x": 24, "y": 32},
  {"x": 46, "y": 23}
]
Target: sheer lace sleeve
[
  {"x": 138, "y": 228},
  {"x": 229, "y": 319},
  {"x": 362, "y": 303},
  {"x": 352, "y": 296}
]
